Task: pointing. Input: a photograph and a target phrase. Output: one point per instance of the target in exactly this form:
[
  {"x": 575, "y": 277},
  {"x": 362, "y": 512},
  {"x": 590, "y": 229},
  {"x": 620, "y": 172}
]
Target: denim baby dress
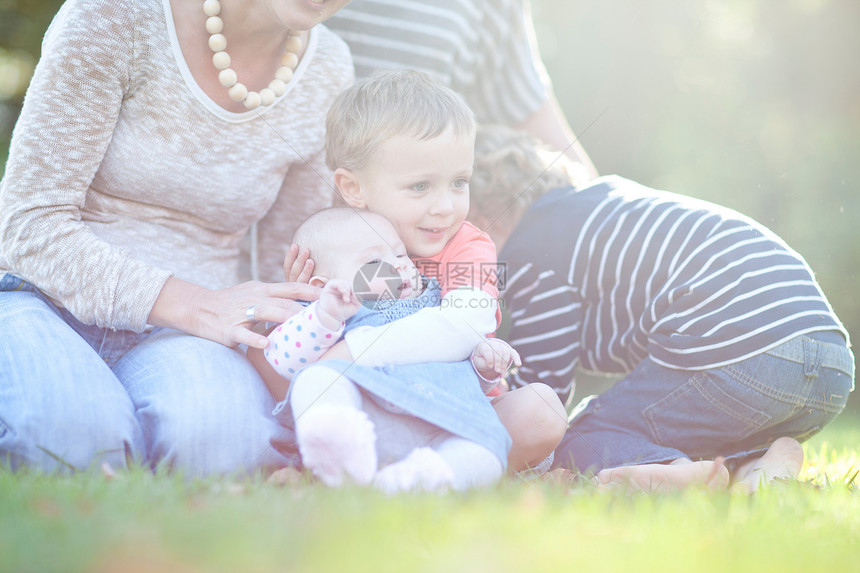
[{"x": 447, "y": 395}]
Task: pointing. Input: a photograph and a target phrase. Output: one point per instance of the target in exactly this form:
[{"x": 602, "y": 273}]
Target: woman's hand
[
  {"x": 223, "y": 315},
  {"x": 298, "y": 265}
]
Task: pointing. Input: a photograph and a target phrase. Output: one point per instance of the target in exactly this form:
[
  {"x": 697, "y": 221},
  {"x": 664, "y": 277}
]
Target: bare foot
[
  {"x": 662, "y": 478},
  {"x": 285, "y": 476},
  {"x": 783, "y": 460},
  {"x": 560, "y": 476}
]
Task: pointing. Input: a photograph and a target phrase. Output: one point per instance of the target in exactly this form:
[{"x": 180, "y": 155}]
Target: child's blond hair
[
  {"x": 386, "y": 104},
  {"x": 512, "y": 169}
]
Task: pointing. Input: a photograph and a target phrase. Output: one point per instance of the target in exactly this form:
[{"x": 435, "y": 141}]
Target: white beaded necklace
[{"x": 228, "y": 77}]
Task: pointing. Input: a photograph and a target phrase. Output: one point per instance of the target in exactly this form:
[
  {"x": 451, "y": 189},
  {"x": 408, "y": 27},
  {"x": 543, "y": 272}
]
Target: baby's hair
[
  {"x": 512, "y": 169},
  {"x": 323, "y": 233},
  {"x": 386, "y": 104}
]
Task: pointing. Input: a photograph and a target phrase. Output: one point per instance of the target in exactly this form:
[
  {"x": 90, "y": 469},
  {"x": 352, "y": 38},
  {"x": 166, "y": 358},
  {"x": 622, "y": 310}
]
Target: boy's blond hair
[
  {"x": 512, "y": 169},
  {"x": 386, "y": 104}
]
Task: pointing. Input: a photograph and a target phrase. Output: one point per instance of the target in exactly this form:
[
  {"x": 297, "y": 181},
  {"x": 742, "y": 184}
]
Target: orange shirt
[{"x": 468, "y": 259}]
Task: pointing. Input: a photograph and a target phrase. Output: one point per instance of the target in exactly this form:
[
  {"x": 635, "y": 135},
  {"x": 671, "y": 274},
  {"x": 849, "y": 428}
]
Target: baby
[{"x": 429, "y": 422}]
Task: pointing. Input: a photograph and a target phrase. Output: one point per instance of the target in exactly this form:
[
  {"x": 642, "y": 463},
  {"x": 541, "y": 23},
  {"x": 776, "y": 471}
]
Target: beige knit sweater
[{"x": 122, "y": 172}]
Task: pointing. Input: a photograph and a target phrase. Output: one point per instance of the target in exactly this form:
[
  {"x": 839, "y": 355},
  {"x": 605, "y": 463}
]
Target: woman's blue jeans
[
  {"x": 73, "y": 396},
  {"x": 656, "y": 414}
]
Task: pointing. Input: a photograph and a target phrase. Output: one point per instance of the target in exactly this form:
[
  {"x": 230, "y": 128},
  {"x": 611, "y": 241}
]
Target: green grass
[{"x": 140, "y": 522}]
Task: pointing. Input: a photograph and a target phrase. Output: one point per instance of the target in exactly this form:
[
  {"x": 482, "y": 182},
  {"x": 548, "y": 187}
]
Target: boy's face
[
  {"x": 370, "y": 245},
  {"x": 422, "y": 187}
]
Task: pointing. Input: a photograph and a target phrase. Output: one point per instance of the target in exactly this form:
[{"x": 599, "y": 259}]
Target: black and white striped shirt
[
  {"x": 603, "y": 277},
  {"x": 480, "y": 48}
]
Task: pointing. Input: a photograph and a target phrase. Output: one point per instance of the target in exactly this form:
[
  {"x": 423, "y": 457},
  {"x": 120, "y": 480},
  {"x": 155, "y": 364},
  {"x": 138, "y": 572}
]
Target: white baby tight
[{"x": 344, "y": 437}]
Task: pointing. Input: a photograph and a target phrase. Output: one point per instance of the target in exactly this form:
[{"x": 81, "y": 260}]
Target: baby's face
[
  {"x": 374, "y": 260},
  {"x": 422, "y": 187}
]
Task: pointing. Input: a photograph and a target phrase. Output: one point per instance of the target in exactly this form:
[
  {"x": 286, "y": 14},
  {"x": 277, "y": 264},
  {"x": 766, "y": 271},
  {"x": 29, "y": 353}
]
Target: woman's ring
[{"x": 251, "y": 313}]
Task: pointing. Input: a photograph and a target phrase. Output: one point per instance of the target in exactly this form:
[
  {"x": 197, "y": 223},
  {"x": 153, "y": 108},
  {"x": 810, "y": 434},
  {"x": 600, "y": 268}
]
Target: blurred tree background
[{"x": 754, "y": 104}]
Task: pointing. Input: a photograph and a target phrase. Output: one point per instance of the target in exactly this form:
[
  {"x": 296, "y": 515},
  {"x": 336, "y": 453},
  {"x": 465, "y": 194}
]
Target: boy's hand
[
  {"x": 492, "y": 358},
  {"x": 337, "y": 303},
  {"x": 298, "y": 265}
]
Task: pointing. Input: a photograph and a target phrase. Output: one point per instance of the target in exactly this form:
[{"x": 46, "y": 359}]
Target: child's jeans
[
  {"x": 73, "y": 396},
  {"x": 656, "y": 414}
]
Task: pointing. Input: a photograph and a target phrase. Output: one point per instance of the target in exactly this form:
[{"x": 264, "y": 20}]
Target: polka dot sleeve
[{"x": 300, "y": 341}]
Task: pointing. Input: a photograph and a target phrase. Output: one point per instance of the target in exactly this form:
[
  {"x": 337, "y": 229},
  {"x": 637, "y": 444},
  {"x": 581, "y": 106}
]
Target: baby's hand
[
  {"x": 492, "y": 358},
  {"x": 337, "y": 303}
]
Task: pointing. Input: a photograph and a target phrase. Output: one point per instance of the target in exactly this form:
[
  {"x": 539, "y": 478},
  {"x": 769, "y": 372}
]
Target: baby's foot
[
  {"x": 337, "y": 444},
  {"x": 424, "y": 469},
  {"x": 783, "y": 460},
  {"x": 665, "y": 477}
]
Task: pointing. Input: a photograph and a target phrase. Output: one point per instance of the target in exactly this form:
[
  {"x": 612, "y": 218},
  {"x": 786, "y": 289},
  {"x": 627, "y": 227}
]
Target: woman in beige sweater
[{"x": 154, "y": 134}]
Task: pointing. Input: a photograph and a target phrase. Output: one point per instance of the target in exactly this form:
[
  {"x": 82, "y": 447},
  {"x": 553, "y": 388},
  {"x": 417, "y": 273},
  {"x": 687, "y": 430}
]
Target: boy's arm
[
  {"x": 447, "y": 333},
  {"x": 467, "y": 271}
]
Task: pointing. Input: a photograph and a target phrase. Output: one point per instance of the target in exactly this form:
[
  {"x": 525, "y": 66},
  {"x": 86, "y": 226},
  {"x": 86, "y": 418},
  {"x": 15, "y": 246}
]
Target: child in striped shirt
[{"x": 727, "y": 346}]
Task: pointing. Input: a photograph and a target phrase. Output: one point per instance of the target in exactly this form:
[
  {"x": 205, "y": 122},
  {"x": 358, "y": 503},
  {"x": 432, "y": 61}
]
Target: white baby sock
[
  {"x": 338, "y": 444},
  {"x": 422, "y": 470},
  {"x": 473, "y": 465},
  {"x": 336, "y": 439}
]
